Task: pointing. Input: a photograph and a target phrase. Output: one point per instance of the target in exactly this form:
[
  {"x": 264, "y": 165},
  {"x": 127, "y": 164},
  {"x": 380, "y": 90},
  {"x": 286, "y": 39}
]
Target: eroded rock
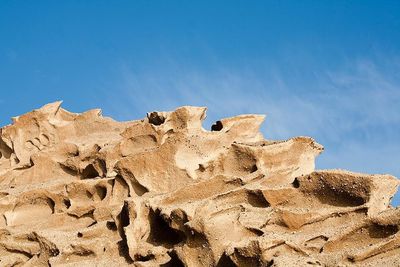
[{"x": 85, "y": 190}]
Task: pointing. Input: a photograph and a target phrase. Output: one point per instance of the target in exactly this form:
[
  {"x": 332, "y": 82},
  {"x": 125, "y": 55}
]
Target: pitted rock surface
[{"x": 85, "y": 190}]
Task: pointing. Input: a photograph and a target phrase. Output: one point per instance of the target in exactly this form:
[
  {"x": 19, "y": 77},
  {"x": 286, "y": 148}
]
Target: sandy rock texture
[{"x": 85, "y": 190}]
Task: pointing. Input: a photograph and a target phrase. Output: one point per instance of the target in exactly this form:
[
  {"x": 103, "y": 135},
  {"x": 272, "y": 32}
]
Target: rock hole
[
  {"x": 353, "y": 200},
  {"x": 270, "y": 263},
  {"x": 101, "y": 192},
  {"x": 161, "y": 233},
  {"x": 382, "y": 231},
  {"x": 155, "y": 118},
  {"x": 339, "y": 197},
  {"x": 68, "y": 169},
  {"x": 247, "y": 260},
  {"x": 89, "y": 194},
  {"x": 225, "y": 261},
  {"x": 317, "y": 242},
  {"x": 138, "y": 188},
  {"x": 123, "y": 251},
  {"x": 103, "y": 167},
  {"x": 124, "y": 216},
  {"x": 217, "y": 126},
  {"x": 123, "y": 221},
  {"x": 256, "y": 231},
  {"x": 201, "y": 168},
  {"x": 253, "y": 168},
  {"x": 51, "y": 204},
  {"x": 111, "y": 226},
  {"x": 89, "y": 172},
  {"x": 5, "y": 151},
  {"x": 120, "y": 187},
  {"x": 79, "y": 234},
  {"x": 257, "y": 199},
  {"x": 67, "y": 203},
  {"x": 144, "y": 258},
  {"x": 296, "y": 183},
  {"x": 174, "y": 262}
]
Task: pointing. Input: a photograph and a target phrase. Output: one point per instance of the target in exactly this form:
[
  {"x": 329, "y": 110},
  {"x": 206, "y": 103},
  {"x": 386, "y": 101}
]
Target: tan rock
[{"x": 85, "y": 190}]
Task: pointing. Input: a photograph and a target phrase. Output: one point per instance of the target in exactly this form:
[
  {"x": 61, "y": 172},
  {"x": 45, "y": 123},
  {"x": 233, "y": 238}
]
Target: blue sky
[{"x": 326, "y": 69}]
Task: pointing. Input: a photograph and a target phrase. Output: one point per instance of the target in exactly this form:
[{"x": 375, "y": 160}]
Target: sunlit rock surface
[{"x": 85, "y": 190}]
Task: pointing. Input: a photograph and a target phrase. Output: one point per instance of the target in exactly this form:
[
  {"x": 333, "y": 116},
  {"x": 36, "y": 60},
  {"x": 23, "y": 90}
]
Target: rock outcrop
[{"x": 85, "y": 190}]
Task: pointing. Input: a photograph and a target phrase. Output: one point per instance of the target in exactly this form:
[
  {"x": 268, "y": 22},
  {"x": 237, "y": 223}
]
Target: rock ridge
[{"x": 85, "y": 190}]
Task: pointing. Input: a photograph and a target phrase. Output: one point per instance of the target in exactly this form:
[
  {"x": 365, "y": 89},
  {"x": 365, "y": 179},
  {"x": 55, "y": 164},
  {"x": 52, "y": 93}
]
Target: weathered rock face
[{"x": 84, "y": 190}]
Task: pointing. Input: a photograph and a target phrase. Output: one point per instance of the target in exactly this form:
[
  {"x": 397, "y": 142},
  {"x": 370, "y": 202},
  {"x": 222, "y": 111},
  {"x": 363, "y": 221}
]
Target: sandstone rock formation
[{"x": 85, "y": 190}]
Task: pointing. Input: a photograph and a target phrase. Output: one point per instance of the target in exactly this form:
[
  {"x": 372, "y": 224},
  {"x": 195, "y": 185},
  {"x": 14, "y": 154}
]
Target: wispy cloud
[{"x": 354, "y": 112}]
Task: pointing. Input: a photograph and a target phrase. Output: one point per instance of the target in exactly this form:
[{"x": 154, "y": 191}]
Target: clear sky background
[{"x": 326, "y": 69}]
